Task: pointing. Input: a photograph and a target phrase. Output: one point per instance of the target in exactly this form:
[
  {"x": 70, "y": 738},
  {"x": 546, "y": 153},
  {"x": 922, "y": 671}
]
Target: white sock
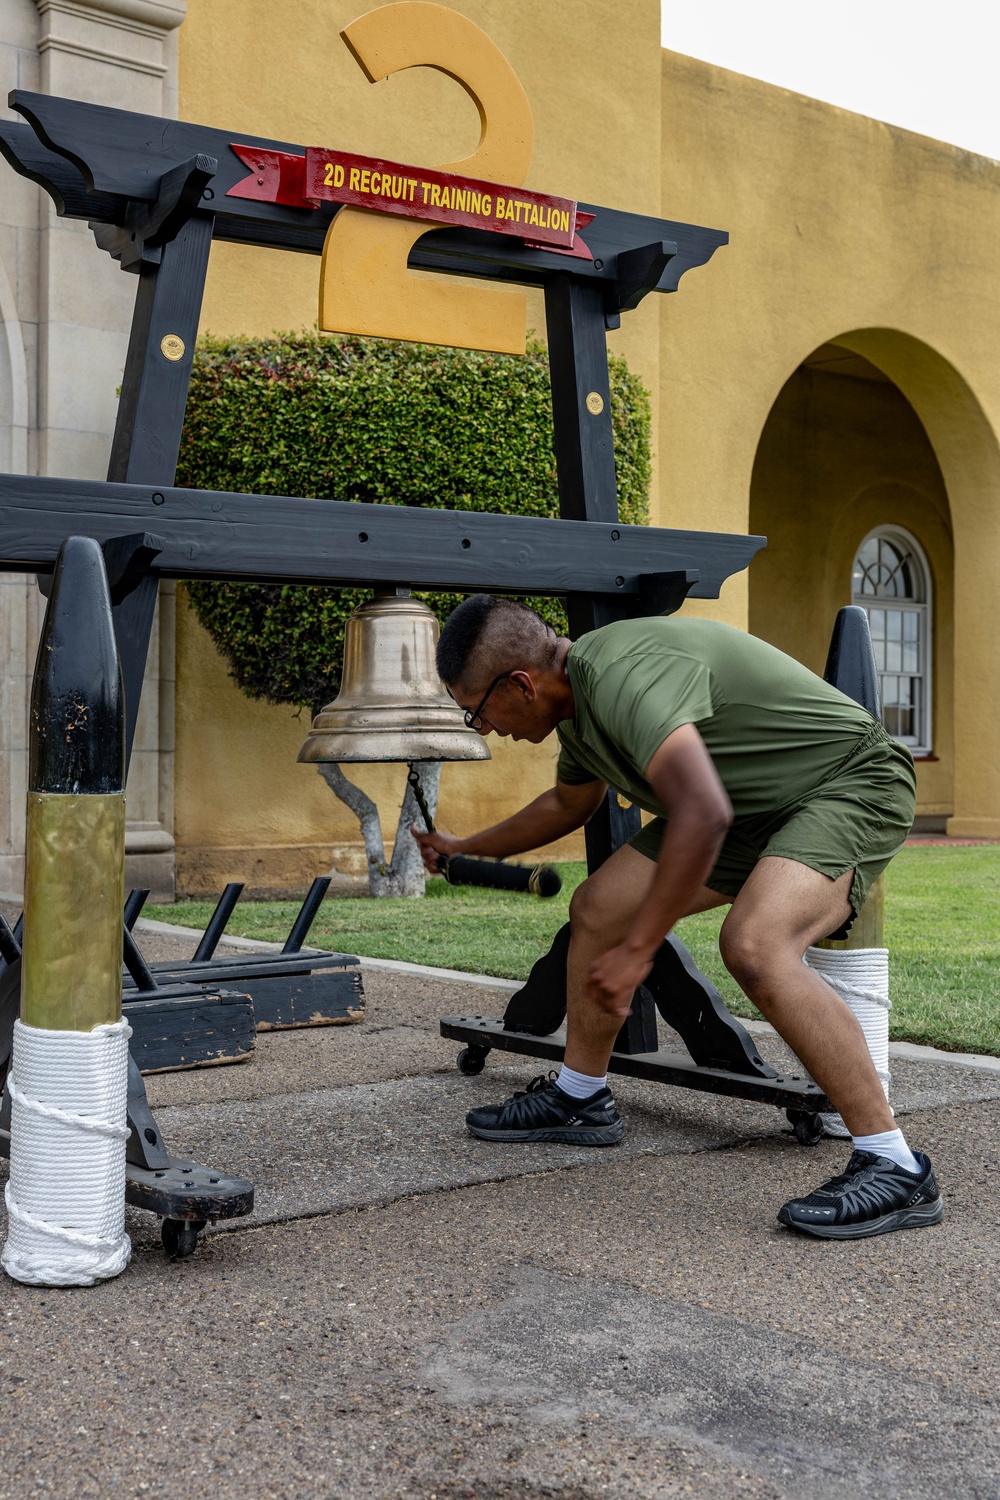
[
  {"x": 892, "y": 1144},
  {"x": 579, "y": 1085}
]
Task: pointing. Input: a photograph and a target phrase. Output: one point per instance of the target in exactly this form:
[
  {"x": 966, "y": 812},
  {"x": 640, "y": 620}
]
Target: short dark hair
[{"x": 486, "y": 635}]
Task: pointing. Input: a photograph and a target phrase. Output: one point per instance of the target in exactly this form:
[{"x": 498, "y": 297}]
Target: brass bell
[{"x": 392, "y": 704}]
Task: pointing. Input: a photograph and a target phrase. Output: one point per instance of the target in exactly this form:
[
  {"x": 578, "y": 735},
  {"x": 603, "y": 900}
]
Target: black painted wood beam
[
  {"x": 117, "y": 157},
  {"x": 275, "y": 539}
]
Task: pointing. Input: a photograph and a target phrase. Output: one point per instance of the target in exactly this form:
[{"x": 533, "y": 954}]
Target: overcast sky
[{"x": 933, "y": 68}]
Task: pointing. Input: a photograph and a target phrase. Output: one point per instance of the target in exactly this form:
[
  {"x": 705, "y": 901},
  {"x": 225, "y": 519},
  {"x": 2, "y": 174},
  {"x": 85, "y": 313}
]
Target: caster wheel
[
  {"x": 180, "y": 1236},
  {"x": 808, "y": 1128},
  {"x": 472, "y": 1059}
]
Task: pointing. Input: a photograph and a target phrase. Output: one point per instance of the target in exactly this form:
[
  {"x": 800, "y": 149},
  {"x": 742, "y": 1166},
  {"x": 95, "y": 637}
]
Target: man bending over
[{"x": 771, "y": 791}]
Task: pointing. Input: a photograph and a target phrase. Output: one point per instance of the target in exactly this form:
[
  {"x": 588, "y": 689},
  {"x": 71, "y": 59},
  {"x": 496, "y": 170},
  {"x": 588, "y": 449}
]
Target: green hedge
[{"x": 371, "y": 420}]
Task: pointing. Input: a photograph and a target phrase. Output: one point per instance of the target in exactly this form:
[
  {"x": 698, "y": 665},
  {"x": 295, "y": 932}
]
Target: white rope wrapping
[
  {"x": 66, "y": 1194},
  {"x": 860, "y": 977}
]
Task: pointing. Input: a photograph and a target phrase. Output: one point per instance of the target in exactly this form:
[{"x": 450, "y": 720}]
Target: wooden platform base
[
  {"x": 287, "y": 990},
  {"x": 792, "y": 1091},
  {"x": 199, "y": 1029}
]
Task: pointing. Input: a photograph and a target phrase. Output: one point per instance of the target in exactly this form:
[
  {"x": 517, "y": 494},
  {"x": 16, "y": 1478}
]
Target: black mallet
[{"x": 458, "y": 869}]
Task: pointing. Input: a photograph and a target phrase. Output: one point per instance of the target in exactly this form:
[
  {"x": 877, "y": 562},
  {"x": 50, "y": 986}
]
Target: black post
[
  {"x": 134, "y": 903},
  {"x": 307, "y": 914},
  {"x": 224, "y": 908},
  {"x": 588, "y": 491},
  {"x": 71, "y": 970},
  {"x": 581, "y": 400},
  {"x": 135, "y": 963},
  {"x": 151, "y": 414},
  {"x": 850, "y": 663},
  {"x": 588, "y": 488},
  {"x": 10, "y": 948}
]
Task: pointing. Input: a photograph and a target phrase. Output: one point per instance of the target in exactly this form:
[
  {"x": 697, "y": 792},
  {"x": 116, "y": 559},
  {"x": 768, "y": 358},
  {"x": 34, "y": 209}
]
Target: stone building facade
[{"x": 65, "y": 311}]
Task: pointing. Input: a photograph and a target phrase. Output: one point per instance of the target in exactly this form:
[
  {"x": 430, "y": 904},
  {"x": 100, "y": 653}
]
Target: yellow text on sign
[{"x": 365, "y": 286}]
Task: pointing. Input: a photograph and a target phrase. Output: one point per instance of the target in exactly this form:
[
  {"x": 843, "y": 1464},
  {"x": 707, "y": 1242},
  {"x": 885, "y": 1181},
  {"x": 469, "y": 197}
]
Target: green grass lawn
[{"x": 942, "y": 931}]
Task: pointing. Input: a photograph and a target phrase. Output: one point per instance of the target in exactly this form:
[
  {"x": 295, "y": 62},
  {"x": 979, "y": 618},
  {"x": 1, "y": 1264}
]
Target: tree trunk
[
  {"x": 407, "y": 866},
  {"x": 404, "y": 874}
]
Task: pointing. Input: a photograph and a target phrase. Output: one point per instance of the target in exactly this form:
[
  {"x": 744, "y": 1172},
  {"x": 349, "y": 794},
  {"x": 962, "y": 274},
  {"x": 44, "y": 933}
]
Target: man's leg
[
  {"x": 783, "y": 908},
  {"x": 578, "y": 1107},
  {"x": 601, "y": 913}
]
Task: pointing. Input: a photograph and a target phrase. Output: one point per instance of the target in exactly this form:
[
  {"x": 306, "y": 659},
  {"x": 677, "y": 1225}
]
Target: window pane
[
  {"x": 866, "y": 568},
  {"x": 900, "y": 707},
  {"x": 886, "y": 568},
  {"x": 887, "y": 572},
  {"x": 888, "y": 560},
  {"x": 894, "y": 571},
  {"x": 907, "y": 727}
]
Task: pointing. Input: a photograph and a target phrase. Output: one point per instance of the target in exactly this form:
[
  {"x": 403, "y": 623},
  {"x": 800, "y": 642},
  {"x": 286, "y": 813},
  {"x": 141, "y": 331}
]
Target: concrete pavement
[{"x": 411, "y": 1312}]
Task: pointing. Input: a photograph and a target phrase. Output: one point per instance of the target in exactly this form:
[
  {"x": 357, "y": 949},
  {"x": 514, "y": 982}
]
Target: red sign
[
  {"x": 275, "y": 177},
  {"x": 540, "y": 219}
]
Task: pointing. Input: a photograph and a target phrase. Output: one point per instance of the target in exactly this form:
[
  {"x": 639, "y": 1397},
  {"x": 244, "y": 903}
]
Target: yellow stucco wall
[
  {"x": 839, "y": 456},
  {"x": 848, "y": 231},
  {"x": 281, "y": 70},
  {"x": 843, "y": 231}
]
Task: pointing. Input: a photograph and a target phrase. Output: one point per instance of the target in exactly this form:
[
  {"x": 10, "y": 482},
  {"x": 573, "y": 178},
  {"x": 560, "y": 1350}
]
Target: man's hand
[
  {"x": 614, "y": 978},
  {"x": 432, "y": 846},
  {"x": 551, "y": 816}
]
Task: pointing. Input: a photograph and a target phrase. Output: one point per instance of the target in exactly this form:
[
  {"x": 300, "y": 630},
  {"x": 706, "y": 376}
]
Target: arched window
[{"x": 891, "y": 582}]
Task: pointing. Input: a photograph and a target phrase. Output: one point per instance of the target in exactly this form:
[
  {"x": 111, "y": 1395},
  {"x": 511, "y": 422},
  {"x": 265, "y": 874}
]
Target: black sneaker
[
  {"x": 873, "y": 1196},
  {"x": 542, "y": 1112}
]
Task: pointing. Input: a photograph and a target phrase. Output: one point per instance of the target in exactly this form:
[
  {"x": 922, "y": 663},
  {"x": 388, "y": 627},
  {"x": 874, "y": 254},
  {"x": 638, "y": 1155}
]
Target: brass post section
[
  {"x": 74, "y": 889},
  {"x": 868, "y": 930},
  {"x": 75, "y": 840}
]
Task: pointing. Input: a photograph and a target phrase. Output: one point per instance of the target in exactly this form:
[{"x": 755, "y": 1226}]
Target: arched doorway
[{"x": 849, "y": 490}]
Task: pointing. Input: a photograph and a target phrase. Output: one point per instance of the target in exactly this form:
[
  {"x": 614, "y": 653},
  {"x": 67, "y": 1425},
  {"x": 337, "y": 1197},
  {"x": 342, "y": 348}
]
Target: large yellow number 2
[{"x": 365, "y": 286}]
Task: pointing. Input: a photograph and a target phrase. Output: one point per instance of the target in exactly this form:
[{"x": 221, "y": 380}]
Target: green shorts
[{"x": 856, "y": 821}]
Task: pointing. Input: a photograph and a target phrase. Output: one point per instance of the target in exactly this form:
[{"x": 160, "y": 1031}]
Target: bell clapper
[{"x": 413, "y": 777}]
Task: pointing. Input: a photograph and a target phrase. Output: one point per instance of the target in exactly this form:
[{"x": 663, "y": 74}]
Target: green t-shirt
[{"x": 775, "y": 731}]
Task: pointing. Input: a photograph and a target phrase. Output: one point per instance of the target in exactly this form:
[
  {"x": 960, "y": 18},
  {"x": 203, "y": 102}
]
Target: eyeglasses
[{"x": 473, "y": 717}]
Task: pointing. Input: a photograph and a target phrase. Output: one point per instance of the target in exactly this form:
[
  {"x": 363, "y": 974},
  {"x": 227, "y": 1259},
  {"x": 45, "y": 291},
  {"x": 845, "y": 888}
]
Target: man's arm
[
  {"x": 561, "y": 810},
  {"x": 699, "y": 814}
]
